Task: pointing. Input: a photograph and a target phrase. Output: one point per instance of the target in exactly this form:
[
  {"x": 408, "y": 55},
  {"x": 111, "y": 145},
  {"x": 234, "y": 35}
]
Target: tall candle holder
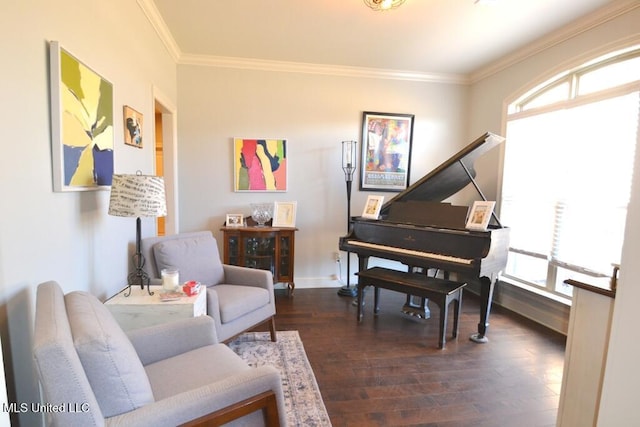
[{"x": 349, "y": 156}]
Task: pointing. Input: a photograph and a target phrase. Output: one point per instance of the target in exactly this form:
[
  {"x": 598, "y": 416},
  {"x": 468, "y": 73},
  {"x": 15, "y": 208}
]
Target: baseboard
[
  {"x": 313, "y": 282},
  {"x": 539, "y": 308}
]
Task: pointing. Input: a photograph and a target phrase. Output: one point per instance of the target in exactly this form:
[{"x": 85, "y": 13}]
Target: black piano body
[{"x": 416, "y": 229}]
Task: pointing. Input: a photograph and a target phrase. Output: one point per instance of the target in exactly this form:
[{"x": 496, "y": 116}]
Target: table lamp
[{"x": 138, "y": 196}]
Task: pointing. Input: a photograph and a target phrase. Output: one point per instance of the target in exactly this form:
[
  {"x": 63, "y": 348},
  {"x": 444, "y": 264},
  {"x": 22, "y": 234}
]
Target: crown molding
[
  {"x": 595, "y": 19},
  {"x": 603, "y": 15},
  {"x": 324, "y": 69},
  {"x": 153, "y": 15}
]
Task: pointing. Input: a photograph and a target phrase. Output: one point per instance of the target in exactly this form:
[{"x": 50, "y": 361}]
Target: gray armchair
[
  {"x": 238, "y": 298},
  {"x": 166, "y": 375}
]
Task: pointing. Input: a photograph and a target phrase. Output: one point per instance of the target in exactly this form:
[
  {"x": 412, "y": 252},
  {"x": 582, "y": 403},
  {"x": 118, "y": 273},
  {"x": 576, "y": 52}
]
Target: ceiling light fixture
[{"x": 378, "y": 5}]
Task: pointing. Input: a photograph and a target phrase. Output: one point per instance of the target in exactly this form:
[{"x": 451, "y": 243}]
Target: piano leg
[
  {"x": 486, "y": 295},
  {"x": 359, "y": 300}
]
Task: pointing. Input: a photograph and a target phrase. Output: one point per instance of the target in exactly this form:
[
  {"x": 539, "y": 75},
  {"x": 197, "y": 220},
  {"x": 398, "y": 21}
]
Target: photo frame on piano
[
  {"x": 372, "y": 207},
  {"x": 480, "y": 215},
  {"x": 386, "y": 151}
]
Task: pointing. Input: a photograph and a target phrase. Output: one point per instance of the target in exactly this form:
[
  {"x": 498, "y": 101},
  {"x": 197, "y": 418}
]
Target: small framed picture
[
  {"x": 132, "y": 127},
  {"x": 284, "y": 214},
  {"x": 480, "y": 215},
  {"x": 234, "y": 220},
  {"x": 372, "y": 207}
]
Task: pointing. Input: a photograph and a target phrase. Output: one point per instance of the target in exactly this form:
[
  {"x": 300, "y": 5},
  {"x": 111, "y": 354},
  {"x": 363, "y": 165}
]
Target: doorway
[{"x": 166, "y": 160}]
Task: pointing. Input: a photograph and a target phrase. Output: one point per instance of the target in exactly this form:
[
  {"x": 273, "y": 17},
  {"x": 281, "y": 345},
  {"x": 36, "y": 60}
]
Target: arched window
[{"x": 567, "y": 173}]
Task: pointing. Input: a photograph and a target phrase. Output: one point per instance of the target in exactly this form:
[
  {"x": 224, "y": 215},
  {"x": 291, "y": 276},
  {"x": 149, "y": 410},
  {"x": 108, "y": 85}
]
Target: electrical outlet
[{"x": 336, "y": 256}]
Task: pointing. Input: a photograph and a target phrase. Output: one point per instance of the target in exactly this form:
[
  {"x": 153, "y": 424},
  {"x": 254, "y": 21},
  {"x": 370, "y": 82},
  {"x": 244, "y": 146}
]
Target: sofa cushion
[
  {"x": 110, "y": 362},
  {"x": 185, "y": 371},
  {"x": 197, "y": 258},
  {"x": 236, "y": 300}
]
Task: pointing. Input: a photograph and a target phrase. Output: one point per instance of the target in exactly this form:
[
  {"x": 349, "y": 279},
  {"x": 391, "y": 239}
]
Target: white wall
[
  {"x": 315, "y": 113},
  {"x": 67, "y": 237},
  {"x": 619, "y": 404}
]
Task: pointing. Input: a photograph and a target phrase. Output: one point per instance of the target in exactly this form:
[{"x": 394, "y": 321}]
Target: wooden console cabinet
[{"x": 266, "y": 248}]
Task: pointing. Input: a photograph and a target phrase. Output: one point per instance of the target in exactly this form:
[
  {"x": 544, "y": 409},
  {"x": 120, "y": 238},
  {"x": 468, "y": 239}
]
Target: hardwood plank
[{"x": 388, "y": 371}]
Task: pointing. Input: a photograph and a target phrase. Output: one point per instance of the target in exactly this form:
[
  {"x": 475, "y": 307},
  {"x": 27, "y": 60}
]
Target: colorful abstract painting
[
  {"x": 82, "y": 124},
  {"x": 260, "y": 164}
]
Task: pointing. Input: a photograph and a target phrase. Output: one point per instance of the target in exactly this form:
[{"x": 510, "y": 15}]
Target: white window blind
[{"x": 566, "y": 182}]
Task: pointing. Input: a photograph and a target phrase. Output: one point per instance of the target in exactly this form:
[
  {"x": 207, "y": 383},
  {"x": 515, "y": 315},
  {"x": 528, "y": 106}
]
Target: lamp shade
[{"x": 137, "y": 196}]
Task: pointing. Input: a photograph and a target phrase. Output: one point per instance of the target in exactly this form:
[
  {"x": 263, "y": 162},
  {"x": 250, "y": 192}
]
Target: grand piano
[{"x": 417, "y": 229}]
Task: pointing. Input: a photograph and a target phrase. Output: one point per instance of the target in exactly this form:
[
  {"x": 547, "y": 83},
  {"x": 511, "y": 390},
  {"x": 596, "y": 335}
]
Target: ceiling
[{"x": 425, "y": 37}]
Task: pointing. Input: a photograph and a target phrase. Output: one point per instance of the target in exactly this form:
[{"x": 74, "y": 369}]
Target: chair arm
[
  {"x": 237, "y": 275},
  {"x": 169, "y": 339},
  {"x": 189, "y": 405}
]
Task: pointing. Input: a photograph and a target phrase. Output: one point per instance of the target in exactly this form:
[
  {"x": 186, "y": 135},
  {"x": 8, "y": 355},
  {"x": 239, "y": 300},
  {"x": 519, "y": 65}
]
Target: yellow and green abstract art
[{"x": 82, "y": 107}]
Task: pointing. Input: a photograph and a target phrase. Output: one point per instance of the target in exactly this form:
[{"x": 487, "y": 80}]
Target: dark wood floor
[{"x": 388, "y": 371}]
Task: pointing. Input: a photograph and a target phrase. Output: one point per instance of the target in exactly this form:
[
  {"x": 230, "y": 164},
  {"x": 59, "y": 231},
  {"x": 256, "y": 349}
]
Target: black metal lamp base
[
  {"x": 348, "y": 291},
  {"x": 138, "y": 278}
]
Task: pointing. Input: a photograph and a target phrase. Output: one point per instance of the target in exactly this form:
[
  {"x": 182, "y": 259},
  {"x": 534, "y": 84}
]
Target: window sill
[
  {"x": 542, "y": 307},
  {"x": 537, "y": 291}
]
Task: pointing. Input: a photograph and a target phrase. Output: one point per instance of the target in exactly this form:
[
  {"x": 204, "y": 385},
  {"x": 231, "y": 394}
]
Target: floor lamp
[
  {"x": 349, "y": 157},
  {"x": 137, "y": 196}
]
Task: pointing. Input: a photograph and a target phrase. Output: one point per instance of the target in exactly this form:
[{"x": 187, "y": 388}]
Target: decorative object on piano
[
  {"x": 284, "y": 214},
  {"x": 386, "y": 151},
  {"x": 480, "y": 215},
  {"x": 234, "y": 220},
  {"x": 372, "y": 207},
  {"x": 260, "y": 165},
  {"x": 137, "y": 196},
  {"x": 349, "y": 162},
  {"x": 261, "y": 213},
  {"x": 382, "y": 5}
]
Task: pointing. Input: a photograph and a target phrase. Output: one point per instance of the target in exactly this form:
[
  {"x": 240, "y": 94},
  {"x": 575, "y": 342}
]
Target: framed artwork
[
  {"x": 372, "y": 207},
  {"x": 386, "y": 151},
  {"x": 132, "y": 127},
  {"x": 81, "y": 124},
  {"x": 260, "y": 165},
  {"x": 234, "y": 220},
  {"x": 480, "y": 215},
  {"x": 284, "y": 214}
]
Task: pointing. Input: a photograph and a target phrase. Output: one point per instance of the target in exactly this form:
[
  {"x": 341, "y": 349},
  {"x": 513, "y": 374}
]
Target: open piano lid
[{"x": 448, "y": 178}]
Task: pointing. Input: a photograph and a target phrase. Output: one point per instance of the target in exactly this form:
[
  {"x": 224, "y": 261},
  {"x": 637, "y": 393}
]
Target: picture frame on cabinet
[
  {"x": 234, "y": 220},
  {"x": 284, "y": 214}
]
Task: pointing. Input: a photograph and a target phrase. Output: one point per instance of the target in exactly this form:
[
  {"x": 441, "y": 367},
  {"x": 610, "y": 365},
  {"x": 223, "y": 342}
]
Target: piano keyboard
[{"x": 410, "y": 252}]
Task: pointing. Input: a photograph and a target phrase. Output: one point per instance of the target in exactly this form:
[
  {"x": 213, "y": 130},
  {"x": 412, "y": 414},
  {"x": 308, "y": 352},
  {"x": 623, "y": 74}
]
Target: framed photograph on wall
[
  {"x": 234, "y": 220},
  {"x": 81, "y": 124},
  {"x": 284, "y": 214},
  {"x": 386, "y": 151},
  {"x": 372, "y": 207},
  {"x": 480, "y": 215},
  {"x": 260, "y": 165},
  {"x": 132, "y": 127}
]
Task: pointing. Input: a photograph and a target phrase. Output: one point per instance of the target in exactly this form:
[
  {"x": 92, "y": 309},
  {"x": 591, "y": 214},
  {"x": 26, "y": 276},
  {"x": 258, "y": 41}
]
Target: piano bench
[{"x": 441, "y": 292}]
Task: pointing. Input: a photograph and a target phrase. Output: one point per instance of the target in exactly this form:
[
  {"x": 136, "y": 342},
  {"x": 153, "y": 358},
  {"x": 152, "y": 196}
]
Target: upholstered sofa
[
  {"x": 164, "y": 375},
  {"x": 238, "y": 298}
]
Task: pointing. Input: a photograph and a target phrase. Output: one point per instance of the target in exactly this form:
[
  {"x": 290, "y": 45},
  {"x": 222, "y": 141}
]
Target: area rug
[{"x": 303, "y": 401}]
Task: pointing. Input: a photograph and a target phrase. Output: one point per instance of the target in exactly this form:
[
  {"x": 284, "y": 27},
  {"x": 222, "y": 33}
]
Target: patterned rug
[{"x": 303, "y": 400}]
